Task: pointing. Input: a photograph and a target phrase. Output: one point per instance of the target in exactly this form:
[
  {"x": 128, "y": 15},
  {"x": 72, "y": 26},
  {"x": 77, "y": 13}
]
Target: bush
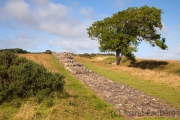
[
  {"x": 48, "y": 52},
  {"x": 22, "y": 78},
  {"x": 92, "y": 55},
  {"x": 86, "y": 55},
  {"x": 15, "y": 50}
]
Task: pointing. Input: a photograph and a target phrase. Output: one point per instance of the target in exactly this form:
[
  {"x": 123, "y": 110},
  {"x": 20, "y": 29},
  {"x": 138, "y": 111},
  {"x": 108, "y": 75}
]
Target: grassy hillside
[
  {"x": 78, "y": 102},
  {"x": 159, "y": 84},
  {"x": 169, "y": 66}
]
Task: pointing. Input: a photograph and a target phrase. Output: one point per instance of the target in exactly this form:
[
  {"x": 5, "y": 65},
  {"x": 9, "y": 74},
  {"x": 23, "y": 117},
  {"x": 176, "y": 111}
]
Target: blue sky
[{"x": 60, "y": 25}]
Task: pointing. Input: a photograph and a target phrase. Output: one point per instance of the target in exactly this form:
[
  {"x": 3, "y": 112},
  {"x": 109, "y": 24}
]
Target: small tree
[
  {"x": 124, "y": 31},
  {"x": 48, "y": 52}
]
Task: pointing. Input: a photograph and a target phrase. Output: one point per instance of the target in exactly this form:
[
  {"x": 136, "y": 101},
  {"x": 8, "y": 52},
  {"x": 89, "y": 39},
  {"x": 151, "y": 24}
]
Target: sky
[{"x": 61, "y": 25}]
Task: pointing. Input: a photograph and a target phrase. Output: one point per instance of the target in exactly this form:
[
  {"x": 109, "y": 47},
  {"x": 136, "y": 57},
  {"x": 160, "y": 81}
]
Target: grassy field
[
  {"x": 160, "y": 85},
  {"x": 77, "y": 103}
]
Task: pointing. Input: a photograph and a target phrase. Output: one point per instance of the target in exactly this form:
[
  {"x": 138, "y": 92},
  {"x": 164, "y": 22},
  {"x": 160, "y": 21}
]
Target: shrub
[
  {"x": 48, "y": 52},
  {"x": 92, "y": 55},
  {"x": 86, "y": 55},
  {"x": 22, "y": 78},
  {"x": 15, "y": 50}
]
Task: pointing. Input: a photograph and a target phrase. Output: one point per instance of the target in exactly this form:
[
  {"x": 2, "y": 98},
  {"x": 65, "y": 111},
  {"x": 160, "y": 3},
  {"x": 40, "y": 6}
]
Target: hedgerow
[
  {"x": 22, "y": 78},
  {"x": 15, "y": 50}
]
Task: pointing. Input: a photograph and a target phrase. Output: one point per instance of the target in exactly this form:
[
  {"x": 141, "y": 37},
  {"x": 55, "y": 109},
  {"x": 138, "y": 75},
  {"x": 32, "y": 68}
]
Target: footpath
[{"x": 126, "y": 100}]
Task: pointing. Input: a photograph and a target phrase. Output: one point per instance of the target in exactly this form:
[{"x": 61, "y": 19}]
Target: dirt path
[{"x": 126, "y": 100}]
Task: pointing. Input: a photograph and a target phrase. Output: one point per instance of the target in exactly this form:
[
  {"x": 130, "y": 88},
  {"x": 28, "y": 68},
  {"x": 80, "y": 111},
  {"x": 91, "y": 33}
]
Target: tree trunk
[{"x": 118, "y": 57}]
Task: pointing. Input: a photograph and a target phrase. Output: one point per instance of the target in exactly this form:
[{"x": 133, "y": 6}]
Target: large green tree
[{"x": 125, "y": 30}]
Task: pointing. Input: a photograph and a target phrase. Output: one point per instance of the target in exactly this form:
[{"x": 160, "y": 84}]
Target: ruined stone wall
[
  {"x": 127, "y": 101},
  {"x": 70, "y": 64}
]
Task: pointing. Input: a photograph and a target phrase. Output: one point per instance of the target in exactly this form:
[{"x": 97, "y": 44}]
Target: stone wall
[
  {"x": 66, "y": 59},
  {"x": 126, "y": 100}
]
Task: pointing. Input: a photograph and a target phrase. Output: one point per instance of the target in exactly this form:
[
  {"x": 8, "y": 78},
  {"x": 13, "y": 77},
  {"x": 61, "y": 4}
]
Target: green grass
[
  {"x": 169, "y": 94},
  {"x": 77, "y": 102}
]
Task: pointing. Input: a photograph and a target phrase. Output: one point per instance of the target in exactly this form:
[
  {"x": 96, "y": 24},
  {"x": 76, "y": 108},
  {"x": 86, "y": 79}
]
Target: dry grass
[
  {"x": 162, "y": 76},
  {"x": 25, "y": 112},
  {"x": 101, "y": 58},
  {"x": 170, "y": 66},
  {"x": 43, "y": 59},
  {"x": 165, "y": 78}
]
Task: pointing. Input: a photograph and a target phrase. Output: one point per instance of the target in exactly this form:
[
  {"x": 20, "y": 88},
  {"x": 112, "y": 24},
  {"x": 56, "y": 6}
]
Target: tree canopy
[{"x": 125, "y": 30}]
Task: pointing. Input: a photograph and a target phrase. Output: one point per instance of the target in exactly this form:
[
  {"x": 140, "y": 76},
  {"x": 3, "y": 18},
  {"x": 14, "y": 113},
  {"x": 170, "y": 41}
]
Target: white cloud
[
  {"x": 21, "y": 40},
  {"x": 57, "y": 19},
  {"x": 48, "y": 18},
  {"x": 88, "y": 12},
  {"x": 78, "y": 45},
  {"x": 70, "y": 28},
  {"x": 41, "y": 3},
  {"x": 19, "y": 11},
  {"x": 50, "y": 11}
]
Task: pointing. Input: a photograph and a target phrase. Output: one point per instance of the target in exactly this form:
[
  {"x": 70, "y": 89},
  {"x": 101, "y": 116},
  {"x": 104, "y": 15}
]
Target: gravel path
[{"x": 126, "y": 100}]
